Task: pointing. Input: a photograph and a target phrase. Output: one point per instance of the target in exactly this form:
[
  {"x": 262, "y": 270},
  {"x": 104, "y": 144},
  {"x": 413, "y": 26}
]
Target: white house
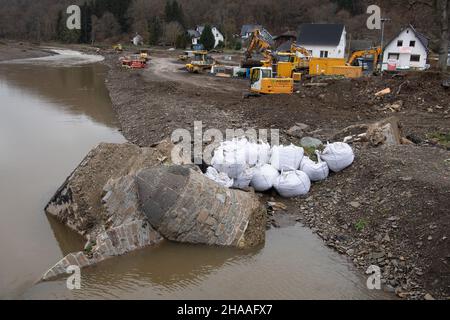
[
  {"x": 138, "y": 40},
  {"x": 323, "y": 40},
  {"x": 194, "y": 35},
  {"x": 408, "y": 50},
  {"x": 218, "y": 36}
]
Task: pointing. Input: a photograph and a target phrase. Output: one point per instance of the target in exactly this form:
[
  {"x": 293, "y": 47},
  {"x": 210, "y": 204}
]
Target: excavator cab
[{"x": 263, "y": 82}]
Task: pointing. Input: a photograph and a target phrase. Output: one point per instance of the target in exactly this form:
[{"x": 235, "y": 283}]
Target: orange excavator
[
  {"x": 260, "y": 41},
  {"x": 373, "y": 53}
]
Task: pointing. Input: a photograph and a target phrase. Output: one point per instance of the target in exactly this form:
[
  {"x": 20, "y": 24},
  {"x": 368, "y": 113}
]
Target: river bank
[
  {"x": 10, "y": 50},
  {"x": 389, "y": 209}
]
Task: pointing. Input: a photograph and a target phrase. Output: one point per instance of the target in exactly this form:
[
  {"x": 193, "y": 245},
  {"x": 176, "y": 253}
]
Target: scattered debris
[
  {"x": 383, "y": 92},
  {"x": 384, "y": 132}
]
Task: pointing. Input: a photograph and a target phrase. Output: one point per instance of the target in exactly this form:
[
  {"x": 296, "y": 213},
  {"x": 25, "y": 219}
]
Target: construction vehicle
[
  {"x": 283, "y": 64},
  {"x": 200, "y": 62},
  {"x": 292, "y": 63},
  {"x": 260, "y": 41},
  {"x": 302, "y": 57},
  {"x": 144, "y": 54},
  {"x": 262, "y": 81},
  {"x": 118, "y": 47},
  {"x": 369, "y": 54},
  {"x": 333, "y": 67},
  {"x": 339, "y": 67},
  {"x": 134, "y": 61}
]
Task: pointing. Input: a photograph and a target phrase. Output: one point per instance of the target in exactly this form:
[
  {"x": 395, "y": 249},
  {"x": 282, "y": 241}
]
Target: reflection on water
[
  {"x": 49, "y": 119},
  {"x": 80, "y": 91},
  {"x": 293, "y": 264}
]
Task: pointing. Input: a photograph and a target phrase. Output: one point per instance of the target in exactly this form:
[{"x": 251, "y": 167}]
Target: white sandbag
[
  {"x": 258, "y": 153},
  {"x": 244, "y": 179},
  {"x": 219, "y": 177},
  {"x": 230, "y": 158},
  {"x": 316, "y": 171},
  {"x": 338, "y": 156},
  {"x": 292, "y": 184},
  {"x": 264, "y": 153},
  {"x": 264, "y": 177},
  {"x": 286, "y": 158}
]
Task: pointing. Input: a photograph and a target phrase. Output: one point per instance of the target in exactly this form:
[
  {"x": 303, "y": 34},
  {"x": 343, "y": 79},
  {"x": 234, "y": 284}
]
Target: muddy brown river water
[{"x": 50, "y": 117}]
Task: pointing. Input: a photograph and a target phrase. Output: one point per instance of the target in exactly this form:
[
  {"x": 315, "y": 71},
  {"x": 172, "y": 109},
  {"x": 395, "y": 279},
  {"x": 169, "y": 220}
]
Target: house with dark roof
[
  {"x": 194, "y": 35},
  {"x": 248, "y": 29},
  {"x": 287, "y": 37},
  {"x": 323, "y": 40},
  {"x": 408, "y": 50}
]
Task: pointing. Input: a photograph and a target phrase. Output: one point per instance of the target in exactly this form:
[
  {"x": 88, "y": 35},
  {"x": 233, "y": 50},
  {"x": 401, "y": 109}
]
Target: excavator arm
[
  {"x": 258, "y": 43},
  {"x": 296, "y": 48}
]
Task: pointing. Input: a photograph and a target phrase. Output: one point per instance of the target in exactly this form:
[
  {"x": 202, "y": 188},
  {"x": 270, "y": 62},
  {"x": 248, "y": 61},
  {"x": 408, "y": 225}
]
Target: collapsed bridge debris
[{"x": 123, "y": 198}]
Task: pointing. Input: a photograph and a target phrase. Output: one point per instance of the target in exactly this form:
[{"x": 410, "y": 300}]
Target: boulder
[
  {"x": 185, "y": 206},
  {"x": 309, "y": 142},
  {"x": 298, "y": 130},
  {"x": 99, "y": 201}
]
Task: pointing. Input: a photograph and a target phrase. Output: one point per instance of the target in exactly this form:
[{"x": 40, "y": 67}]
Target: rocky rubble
[
  {"x": 123, "y": 198},
  {"x": 376, "y": 215}
]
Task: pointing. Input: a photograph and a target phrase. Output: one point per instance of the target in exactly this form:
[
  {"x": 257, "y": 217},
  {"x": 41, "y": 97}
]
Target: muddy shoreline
[
  {"x": 399, "y": 195},
  {"x": 21, "y": 50}
]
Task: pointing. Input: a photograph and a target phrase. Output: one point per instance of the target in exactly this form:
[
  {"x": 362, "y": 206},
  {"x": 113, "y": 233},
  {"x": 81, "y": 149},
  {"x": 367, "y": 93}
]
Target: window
[
  {"x": 412, "y": 43},
  {"x": 254, "y": 76},
  {"x": 266, "y": 73},
  {"x": 400, "y": 43},
  {"x": 415, "y": 58},
  {"x": 393, "y": 56},
  {"x": 324, "y": 54},
  {"x": 283, "y": 58}
]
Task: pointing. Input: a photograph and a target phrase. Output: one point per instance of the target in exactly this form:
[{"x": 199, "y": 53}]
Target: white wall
[
  {"x": 217, "y": 36},
  {"x": 333, "y": 52},
  {"x": 405, "y": 51}
]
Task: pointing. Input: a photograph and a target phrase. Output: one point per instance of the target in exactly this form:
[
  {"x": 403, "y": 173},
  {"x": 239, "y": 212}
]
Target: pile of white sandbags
[{"x": 240, "y": 163}]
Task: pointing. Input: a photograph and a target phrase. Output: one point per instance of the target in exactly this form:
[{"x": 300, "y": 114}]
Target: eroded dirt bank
[
  {"x": 391, "y": 208},
  {"x": 10, "y": 50}
]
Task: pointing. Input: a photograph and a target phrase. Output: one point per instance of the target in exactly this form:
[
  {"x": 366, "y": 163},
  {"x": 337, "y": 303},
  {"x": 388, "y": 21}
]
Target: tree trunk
[{"x": 442, "y": 7}]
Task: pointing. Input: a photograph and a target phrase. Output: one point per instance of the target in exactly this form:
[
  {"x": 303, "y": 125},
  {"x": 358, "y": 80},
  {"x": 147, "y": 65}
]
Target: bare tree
[
  {"x": 443, "y": 8},
  {"x": 171, "y": 32},
  {"x": 106, "y": 27},
  {"x": 139, "y": 13}
]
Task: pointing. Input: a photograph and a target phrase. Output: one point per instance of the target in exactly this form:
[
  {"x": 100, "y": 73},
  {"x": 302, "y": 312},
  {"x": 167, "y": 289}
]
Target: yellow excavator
[
  {"x": 372, "y": 52},
  {"x": 267, "y": 76},
  {"x": 293, "y": 63},
  {"x": 284, "y": 64},
  {"x": 262, "y": 81},
  {"x": 200, "y": 62},
  {"x": 259, "y": 41}
]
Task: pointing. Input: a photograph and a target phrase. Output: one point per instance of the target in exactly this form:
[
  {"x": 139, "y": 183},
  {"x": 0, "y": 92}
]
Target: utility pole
[{"x": 383, "y": 21}]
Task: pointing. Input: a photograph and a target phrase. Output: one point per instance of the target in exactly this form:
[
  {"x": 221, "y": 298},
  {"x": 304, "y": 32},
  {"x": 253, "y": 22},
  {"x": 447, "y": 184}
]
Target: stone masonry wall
[{"x": 185, "y": 206}]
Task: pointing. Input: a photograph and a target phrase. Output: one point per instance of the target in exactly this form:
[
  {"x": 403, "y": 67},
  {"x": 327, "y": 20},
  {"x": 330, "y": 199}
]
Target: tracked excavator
[
  {"x": 265, "y": 76},
  {"x": 374, "y": 53},
  {"x": 284, "y": 64}
]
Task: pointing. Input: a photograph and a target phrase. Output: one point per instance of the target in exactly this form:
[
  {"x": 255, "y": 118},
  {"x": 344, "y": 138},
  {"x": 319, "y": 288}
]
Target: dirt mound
[{"x": 391, "y": 209}]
